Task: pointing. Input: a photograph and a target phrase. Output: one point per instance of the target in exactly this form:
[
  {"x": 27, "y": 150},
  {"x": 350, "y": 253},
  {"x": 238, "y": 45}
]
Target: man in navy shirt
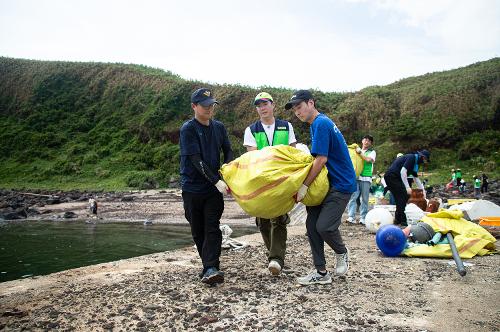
[
  {"x": 396, "y": 179},
  {"x": 201, "y": 140},
  {"x": 323, "y": 221}
]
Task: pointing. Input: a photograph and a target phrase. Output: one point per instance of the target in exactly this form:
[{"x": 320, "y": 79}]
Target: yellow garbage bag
[
  {"x": 470, "y": 238},
  {"x": 357, "y": 161},
  {"x": 263, "y": 182}
]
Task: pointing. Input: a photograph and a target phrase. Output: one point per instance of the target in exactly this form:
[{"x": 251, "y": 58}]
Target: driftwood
[{"x": 32, "y": 194}]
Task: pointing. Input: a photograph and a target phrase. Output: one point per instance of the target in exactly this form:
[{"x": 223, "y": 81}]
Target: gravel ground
[{"x": 162, "y": 291}]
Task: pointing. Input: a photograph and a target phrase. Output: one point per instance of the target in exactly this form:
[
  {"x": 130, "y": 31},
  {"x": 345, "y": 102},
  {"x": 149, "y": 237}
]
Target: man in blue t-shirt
[
  {"x": 201, "y": 140},
  {"x": 329, "y": 148},
  {"x": 396, "y": 179}
]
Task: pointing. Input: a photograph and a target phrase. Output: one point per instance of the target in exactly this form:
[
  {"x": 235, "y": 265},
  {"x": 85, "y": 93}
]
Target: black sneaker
[{"x": 213, "y": 276}]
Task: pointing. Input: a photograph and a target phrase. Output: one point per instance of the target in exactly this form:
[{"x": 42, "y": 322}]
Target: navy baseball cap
[
  {"x": 298, "y": 97},
  {"x": 203, "y": 97},
  {"x": 426, "y": 154}
]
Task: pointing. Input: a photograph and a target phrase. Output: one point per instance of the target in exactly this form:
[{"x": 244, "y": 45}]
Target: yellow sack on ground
[
  {"x": 470, "y": 238},
  {"x": 263, "y": 182},
  {"x": 357, "y": 161}
]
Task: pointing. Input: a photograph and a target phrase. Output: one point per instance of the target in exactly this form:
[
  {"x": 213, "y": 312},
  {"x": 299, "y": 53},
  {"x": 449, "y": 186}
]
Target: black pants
[
  {"x": 398, "y": 190},
  {"x": 203, "y": 212},
  {"x": 484, "y": 187}
]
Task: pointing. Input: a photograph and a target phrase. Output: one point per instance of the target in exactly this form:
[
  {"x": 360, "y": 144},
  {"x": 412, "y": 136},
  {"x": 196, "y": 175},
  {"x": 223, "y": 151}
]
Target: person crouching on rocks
[{"x": 93, "y": 206}]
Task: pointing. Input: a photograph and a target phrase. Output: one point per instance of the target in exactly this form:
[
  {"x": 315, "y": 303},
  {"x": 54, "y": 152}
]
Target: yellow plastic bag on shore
[
  {"x": 470, "y": 238},
  {"x": 357, "y": 161},
  {"x": 263, "y": 182}
]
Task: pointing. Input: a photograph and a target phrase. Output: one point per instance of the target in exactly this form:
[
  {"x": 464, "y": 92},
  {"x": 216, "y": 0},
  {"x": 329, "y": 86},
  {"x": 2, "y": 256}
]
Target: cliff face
[{"x": 119, "y": 122}]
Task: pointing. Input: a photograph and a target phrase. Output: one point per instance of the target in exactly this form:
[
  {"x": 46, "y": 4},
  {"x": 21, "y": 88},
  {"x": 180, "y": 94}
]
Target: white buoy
[{"x": 377, "y": 218}]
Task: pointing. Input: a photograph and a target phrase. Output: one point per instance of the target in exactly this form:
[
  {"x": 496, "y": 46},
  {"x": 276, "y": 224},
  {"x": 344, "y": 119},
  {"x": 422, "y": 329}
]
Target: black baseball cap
[
  {"x": 203, "y": 96},
  {"x": 298, "y": 97},
  {"x": 370, "y": 137},
  {"x": 426, "y": 154}
]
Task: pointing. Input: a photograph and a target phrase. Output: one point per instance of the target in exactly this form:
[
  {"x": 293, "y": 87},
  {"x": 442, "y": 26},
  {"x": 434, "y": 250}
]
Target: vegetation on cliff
[{"x": 114, "y": 126}]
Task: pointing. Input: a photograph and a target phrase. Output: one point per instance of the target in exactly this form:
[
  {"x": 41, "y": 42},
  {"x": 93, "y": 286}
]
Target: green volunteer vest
[
  {"x": 280, "y": 137},
  {"x": 477, "y": 183},
  {"x": 367, "y": 166}
]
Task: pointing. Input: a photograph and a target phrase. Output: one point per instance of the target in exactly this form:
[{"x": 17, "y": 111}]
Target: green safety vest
[
  {"x": 280, "y": 137},
  {"x": 458, "y": 174},
  {"x": 367, "y": 166},
  {"x": 477, "y": 183}
]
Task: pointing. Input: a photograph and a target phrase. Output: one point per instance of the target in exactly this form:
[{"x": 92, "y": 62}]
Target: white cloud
[
  {"x": 459, "y": 25},
  {"x": 333, "y": 45}
]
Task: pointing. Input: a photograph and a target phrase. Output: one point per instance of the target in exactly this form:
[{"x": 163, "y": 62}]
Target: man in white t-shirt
[
  {"x": 368, "y": 155},
  {"x": 269, "y": 131}
]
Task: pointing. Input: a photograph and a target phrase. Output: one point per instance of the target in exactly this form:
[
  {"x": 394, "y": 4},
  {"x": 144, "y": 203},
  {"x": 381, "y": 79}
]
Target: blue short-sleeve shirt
[{"x": 327, "y": 140}]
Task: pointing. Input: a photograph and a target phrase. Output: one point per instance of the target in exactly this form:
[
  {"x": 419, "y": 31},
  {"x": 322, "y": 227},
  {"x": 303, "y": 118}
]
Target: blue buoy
[{"x": 390, "y": 240}]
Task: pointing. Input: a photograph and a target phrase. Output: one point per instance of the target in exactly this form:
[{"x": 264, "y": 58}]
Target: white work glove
[
  {"x": 301, "y": 193},
  {"x": 358, "y": 150},
  {"x": 408, "y": 191},
  {"x": 222, "y": 187}
]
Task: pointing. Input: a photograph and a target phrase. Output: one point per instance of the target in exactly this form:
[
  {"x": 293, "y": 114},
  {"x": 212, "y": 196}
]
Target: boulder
[{"x": 69, "y": 214}]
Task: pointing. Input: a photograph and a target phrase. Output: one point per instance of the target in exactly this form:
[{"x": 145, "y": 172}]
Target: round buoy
[
  {"x": 376, "y": 218},
  {"x": 390, "y": 240}
]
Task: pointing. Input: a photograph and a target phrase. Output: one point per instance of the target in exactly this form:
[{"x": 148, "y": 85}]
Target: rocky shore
[
  {"x": 162, "y": 291},
  {"x": 140, "y": 205}
]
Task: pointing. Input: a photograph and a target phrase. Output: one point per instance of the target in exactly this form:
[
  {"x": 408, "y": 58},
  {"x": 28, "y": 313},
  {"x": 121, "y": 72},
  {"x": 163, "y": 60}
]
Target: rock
[
  {"x": 32, "y": 211},
  {"x": 207, "y": 320},
  {"x": 69, "y": 214},
  {"x": 52, "y": 201},
  {"x": 127, "y": 198},
  {"x": 108, "y": 326},
  {"x": 20, "y": 214},
  {"x": 14, "y": 313}
]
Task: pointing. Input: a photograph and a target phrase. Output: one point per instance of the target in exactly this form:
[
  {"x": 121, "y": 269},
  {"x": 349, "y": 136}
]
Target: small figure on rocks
[
  {"x": 265, "y": 132},
  {"x": 329, "y": 149},
  {"x": 458, "y": 176},
  {"x": 462, "y": 186},
  {"x": 201, "y": 141},
  {"x": 93, "y": 206},
  {"x": 477, "y": 187},
  {"x": 484, "y": 184}
]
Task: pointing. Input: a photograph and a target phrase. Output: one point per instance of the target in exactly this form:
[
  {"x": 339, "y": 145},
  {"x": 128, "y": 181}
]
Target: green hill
[{"x": 106, "y": 126}]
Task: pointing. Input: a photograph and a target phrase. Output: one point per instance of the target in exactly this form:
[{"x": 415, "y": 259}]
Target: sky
[{"x": 329, "y": 45}]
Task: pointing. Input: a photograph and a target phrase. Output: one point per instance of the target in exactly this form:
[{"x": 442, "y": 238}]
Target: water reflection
[{"x": 42, "y": 247}]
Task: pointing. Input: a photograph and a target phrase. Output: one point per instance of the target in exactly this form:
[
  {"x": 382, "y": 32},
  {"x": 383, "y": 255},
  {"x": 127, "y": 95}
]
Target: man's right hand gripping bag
[{"x": 263, "y": 182}]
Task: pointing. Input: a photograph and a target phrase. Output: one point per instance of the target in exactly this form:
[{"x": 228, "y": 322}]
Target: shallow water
[{"x": 33, "y": 248}]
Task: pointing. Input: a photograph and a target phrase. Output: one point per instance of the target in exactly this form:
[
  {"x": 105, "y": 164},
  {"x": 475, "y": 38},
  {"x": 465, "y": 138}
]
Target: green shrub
[{"x": 142, "y": 180}]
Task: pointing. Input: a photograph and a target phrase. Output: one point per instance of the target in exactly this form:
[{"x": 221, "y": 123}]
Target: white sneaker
[
  {"x": 315, "y": 278},
  {"x": 274, "y": 267},
  {"x": 351, "y": 220},
  {"x": 342, "y": 263},
  {"x": 362, "y": 221}
]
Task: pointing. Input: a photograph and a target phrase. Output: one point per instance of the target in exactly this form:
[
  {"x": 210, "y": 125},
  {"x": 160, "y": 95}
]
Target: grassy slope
[{"x": 113, "y": 126}]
